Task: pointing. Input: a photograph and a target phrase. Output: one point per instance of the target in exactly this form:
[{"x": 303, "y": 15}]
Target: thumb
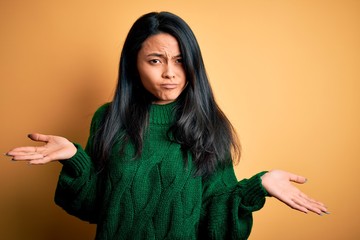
[
  {"x": 38, "y": 137},
  {"x": 297, "y": 179}
]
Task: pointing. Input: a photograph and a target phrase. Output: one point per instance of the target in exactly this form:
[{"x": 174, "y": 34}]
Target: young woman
[{"x": 159, "y": 159}]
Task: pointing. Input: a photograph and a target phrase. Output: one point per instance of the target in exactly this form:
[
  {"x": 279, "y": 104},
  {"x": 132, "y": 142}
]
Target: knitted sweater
[{"x": 156, "y": 196}]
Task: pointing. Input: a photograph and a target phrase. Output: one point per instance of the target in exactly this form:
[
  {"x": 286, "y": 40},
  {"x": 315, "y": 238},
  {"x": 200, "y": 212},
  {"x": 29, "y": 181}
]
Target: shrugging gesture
[
  {"x": 277, "y": 183},
  {"x": 55, "y": 148}
]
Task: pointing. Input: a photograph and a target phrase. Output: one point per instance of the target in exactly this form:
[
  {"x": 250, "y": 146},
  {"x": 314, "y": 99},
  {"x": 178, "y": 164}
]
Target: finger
[
  {"x": 25, "y": 150},
  {"x": 313, "y": 201},
  {"x": 311, "y": 204},
  {"x": 20, "y": 150},
  {"x": 28, "y": 157},
  {"x": 294, "y": 204},
  {"x": 314, "y": 208},
  {"x": 297, "y": 179},
  {"x": 39, "y": 137},
  {"x": 321, "y": 208}
]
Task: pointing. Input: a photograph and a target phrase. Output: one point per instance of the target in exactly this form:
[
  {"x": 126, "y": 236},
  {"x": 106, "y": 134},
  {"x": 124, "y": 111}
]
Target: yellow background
[{"x": 287, "y": 74}]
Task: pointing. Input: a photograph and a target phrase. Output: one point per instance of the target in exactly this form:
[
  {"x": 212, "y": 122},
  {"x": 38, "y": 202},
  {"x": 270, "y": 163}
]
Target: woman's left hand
[{"x": 278, "y": 184}]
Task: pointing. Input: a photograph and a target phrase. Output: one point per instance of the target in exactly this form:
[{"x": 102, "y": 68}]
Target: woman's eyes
[
  {"x": 157, "y": 61},
  {"x": 179, "y": 60}
]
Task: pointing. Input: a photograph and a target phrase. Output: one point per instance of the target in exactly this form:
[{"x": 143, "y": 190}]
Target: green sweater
[{"x": 157, "y": 196}]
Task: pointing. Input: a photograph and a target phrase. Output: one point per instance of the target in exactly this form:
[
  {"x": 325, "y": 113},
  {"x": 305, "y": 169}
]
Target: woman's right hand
[{"x": 55, "y": 148}]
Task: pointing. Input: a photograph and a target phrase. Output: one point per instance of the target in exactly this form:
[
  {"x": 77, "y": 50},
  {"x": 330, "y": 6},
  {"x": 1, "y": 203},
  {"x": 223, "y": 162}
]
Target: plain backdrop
[{"x": 286, "y": 73}]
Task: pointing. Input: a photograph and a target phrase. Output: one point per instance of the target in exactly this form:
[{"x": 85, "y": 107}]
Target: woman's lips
[{"x": 169, "y": 85}]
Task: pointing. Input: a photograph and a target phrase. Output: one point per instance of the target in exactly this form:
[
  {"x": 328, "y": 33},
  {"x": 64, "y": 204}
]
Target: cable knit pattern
[{"x": 157, "y": 196}]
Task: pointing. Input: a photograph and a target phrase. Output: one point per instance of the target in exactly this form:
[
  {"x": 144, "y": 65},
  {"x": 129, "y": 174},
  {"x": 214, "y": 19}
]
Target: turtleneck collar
[{"x": 162, "y": 114}]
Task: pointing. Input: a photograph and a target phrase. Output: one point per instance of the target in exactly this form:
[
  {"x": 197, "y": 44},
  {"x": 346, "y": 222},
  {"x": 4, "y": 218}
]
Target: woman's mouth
[{"x": 169, "y": 85}]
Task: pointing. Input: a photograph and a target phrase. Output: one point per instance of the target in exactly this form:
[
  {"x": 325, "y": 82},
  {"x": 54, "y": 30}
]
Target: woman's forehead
[{"x": 162, "y": 43}]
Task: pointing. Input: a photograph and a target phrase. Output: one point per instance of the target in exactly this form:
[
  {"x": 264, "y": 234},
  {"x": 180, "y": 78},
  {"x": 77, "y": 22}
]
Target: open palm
[
  {"x": 55, "y": 148},
  {"x": 278, "y": 184}
]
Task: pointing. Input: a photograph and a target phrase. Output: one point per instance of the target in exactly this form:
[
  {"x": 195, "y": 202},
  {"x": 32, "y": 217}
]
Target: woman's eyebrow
[
  {"x": 161, "y": 55},
  {"x": 155, "y": 55}
]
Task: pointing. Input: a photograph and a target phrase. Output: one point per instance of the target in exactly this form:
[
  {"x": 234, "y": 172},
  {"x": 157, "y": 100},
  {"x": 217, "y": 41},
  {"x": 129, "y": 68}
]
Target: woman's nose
[{"x": 169, "y": 72}]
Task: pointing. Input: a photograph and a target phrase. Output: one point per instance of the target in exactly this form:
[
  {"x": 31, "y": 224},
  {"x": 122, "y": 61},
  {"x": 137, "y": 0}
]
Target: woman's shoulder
[
  {"x": 101, "y": 111},
  {"x": 103, "y": 108}
]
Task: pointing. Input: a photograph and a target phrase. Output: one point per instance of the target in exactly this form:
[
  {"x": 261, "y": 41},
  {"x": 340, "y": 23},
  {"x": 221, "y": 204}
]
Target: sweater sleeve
[
  {"x": 76, "y": 191},
  {"x": 228, "y": 204}
]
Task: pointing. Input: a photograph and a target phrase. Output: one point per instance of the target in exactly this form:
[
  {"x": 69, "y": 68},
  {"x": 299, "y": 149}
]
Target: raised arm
[{"x": 54, "y": 148}]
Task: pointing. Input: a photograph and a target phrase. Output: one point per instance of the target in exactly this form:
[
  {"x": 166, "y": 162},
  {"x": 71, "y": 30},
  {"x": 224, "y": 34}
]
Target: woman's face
[{"x": 159, "y": 63}]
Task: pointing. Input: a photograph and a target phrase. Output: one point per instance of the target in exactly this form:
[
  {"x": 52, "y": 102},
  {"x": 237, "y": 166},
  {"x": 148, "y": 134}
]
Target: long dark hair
[{"x": 200, "y": 127}]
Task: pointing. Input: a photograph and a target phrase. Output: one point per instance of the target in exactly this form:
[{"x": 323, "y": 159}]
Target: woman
[{"x": 159, "y": 159}]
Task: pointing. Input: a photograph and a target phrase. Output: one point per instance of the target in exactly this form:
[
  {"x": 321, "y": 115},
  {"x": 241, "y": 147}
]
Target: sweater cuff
[
  {"x": 255, "y": 193},
  {"x": 78, "y": 164}
]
